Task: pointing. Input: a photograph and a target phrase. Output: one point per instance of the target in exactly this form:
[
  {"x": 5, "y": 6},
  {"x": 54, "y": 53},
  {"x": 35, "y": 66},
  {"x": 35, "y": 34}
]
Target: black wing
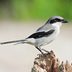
[{"x": 41, "y": 34}]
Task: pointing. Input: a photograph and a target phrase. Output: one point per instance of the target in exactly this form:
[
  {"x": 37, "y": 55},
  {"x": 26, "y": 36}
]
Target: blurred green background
[{"x": 34, "y": 9}]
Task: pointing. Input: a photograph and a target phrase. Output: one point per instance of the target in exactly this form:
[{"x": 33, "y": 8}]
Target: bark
[{"x": 49, "y": 63}]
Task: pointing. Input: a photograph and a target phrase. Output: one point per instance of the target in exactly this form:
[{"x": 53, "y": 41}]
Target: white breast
[{"x": 46, "y": 40}]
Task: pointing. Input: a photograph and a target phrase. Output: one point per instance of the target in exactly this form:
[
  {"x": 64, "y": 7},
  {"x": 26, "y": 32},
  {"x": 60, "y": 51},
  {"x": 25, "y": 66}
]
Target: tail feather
[{"x": 16, "y": 41}]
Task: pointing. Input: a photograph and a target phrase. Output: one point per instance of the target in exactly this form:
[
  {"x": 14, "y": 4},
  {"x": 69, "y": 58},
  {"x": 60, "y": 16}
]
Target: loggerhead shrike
[{"x": 44, "y": 35}]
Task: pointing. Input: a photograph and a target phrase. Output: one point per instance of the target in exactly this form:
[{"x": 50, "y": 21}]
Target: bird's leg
[
  {"x": 45, "y": 50},
  {"x": 40, "y": 50}
]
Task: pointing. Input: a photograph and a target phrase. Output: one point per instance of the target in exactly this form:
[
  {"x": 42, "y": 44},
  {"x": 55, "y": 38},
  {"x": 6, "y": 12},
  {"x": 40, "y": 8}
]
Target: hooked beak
[{"x": 64, "y": 21}]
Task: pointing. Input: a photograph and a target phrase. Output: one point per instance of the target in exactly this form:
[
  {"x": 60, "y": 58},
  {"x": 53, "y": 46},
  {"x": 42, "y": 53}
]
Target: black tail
[{"x": 16, "y": 41}]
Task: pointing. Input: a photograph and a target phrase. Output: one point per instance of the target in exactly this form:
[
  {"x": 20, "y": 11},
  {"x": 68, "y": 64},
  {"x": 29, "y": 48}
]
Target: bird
[{"x": 44, "y": 34}]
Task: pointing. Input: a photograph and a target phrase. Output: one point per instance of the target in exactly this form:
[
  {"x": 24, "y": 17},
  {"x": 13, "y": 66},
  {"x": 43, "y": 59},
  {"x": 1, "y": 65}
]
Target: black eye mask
[{"x": 55, "y": 20}]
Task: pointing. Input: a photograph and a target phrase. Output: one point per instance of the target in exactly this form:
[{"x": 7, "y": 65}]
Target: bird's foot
[
  {"x": 46, "y": 52},
  {"x": 43, "y": 51}
]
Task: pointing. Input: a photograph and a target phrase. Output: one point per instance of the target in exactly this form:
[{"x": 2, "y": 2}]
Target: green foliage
[{"x": 40, "y": 9}]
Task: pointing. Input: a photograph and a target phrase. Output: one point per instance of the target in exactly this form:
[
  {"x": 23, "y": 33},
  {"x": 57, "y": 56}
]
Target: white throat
[{"x": 57, "y": 25}]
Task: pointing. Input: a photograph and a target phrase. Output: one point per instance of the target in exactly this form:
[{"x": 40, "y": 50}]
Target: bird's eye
[{"x": 57, "y": 20}]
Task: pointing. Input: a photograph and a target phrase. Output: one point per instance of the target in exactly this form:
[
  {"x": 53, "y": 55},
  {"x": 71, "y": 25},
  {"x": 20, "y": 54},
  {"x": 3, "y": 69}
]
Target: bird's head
[{"x": 56, "y": 20}]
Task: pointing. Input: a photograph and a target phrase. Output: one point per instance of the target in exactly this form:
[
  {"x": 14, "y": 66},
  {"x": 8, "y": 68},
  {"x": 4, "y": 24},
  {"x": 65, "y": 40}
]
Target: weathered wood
[{"x": 49, "y": 63}]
